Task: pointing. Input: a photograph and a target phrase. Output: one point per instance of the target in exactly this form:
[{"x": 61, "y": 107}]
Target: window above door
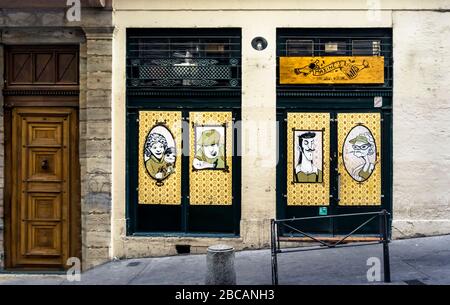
[
  {"x": 334, "y": 62},
  {"x": 41, "y": 68},
  {"x": 183, "y": 60}
]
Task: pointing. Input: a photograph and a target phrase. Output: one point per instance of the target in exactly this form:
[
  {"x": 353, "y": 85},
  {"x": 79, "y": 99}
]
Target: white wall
[
  {"x": 417, "y": 34},
  {"x": 421, "y": 123}
]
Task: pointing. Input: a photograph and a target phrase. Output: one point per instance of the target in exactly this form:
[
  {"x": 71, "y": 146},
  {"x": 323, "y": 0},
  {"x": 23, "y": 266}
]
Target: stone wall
[{"x": 95, "y": 146}]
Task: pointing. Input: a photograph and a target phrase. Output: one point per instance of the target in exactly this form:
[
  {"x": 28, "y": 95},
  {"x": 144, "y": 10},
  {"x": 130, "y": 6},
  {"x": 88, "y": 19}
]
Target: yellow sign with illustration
[{"x": 332, "y": 70}]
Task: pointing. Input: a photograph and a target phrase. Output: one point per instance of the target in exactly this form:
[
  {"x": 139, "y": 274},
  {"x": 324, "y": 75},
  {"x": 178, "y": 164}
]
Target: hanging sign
[{"x": 332, "y": 70}]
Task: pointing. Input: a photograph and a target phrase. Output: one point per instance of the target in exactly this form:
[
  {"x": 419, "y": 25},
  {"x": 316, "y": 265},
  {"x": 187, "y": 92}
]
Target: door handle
[
  {"x": 338, "y": 187},
  {"x": 44, "y": 164}
]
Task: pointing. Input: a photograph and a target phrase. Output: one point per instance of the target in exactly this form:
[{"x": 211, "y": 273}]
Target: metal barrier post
[
  {"x": 386, "y": 263},
  {"x": 274, "y": 253}
]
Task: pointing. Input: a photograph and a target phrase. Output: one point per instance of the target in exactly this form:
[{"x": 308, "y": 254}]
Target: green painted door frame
[
  {"x": 184, "y": 219},
  {"x": 334, "y": 106}
]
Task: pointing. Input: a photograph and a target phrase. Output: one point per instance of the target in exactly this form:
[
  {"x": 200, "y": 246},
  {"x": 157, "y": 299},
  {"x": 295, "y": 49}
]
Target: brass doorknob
[{"x": 44, "y": 164}]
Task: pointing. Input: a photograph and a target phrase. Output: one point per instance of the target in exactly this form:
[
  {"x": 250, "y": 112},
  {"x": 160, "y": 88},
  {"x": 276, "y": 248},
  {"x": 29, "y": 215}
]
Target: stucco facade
[{"x": 419, "y": 45}]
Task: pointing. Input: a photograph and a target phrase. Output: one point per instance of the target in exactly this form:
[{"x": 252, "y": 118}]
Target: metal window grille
[
  {"x": 297, "y": 47},
  {"x": 184, "y": 59},
  {"x": 366, "y": 47},
  {"x": 336, "y": 42}
]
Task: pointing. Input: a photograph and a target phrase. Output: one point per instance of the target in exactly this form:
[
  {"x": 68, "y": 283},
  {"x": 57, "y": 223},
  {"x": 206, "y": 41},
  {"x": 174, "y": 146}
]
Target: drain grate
[
  {"x": 414, "y": 282},
  {"x": 183, "y": 249},
  {"x": 133, "y": 264}
]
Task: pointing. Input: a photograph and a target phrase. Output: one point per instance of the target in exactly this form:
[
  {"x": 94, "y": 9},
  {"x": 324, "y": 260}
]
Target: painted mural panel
[
  {"x": 159, "y": 163},
  {"x": 210, "y": 152},
  {"x": 160, "y": 153},
  {"x": 210, "y": 177},
  {"x": 332, "y": 70},
  {"x": 360, "y": 153},
  {"x": 308, "y": 149},
  {"x": 308, "y": 156},
  {"x": 359, "y": 144}
]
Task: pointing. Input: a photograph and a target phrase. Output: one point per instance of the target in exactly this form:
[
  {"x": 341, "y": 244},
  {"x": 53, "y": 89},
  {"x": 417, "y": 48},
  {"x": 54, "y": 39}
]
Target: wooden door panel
[
  {"x": 21, "y": 67},
  {"x": 44, "y": 207},
  {"x": 44, "y": 71},
  {"x": 41, "y": 200},
  {"x": 45, "y": 164},
  {"x": 44, "y": 133},
  {"x": 44, "y": 187},
  {"x": 43, "y": 239},
  {"x": 36, "y": 66},
  {"x": 67, "y": 68}
]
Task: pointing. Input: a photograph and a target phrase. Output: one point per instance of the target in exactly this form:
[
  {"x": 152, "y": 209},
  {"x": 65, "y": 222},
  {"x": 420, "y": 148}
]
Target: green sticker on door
[{"x": 323, "y": 211}]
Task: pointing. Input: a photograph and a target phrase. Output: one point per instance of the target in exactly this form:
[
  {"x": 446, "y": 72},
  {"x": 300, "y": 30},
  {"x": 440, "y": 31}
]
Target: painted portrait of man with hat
[{"x": 210, "y": 153}]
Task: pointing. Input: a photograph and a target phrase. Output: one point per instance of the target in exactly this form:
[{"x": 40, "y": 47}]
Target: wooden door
[{"x": 43, "y": 189}]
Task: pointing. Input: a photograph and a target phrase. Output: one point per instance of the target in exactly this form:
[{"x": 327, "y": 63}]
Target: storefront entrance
[
  {"x": 333, "y": 162},
  {"x": 334, "y": 108},
  {"x": 194, "y": 187},
  {"x": 183, "y": 100}
]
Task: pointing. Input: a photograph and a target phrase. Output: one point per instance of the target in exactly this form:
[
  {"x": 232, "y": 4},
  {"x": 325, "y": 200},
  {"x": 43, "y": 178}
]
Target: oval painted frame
[
  {"x": 170, "y": 143},
  {"x": 375, "y": 153}
]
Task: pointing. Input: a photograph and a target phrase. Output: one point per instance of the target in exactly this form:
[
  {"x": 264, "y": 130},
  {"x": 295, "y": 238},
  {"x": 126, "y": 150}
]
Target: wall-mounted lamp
[{"x": 259, "y": 43}]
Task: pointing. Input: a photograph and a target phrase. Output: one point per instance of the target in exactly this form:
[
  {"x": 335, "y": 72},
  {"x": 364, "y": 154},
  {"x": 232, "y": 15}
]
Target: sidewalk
[{"x": 413, "y": 261}]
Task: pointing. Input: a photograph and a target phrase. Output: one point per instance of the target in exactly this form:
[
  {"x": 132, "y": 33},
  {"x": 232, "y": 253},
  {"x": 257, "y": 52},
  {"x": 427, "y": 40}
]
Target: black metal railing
[{"x": 383, "y": 238}]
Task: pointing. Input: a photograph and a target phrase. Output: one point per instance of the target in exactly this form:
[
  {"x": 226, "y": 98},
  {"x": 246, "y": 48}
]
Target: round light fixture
[{"x": 259, "y": 43}]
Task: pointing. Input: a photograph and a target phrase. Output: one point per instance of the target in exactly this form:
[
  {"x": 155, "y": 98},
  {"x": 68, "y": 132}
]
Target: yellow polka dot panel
[
  {"x": 160, "y": 169},
  {"x": 210, "y": 175},
  {"x": 315, "y": 191},
  {"x": 359, "y": 162}
]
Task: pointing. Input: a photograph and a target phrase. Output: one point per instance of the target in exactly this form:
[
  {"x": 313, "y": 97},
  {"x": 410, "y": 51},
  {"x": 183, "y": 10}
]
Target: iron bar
[
  {"x": 383, "y": 239},
  {"x": 310, "y": 236},
  {"x": 352, "y": 232},
  {"x": 327, "y": 216},
  {"x": 303, "y": 249},
  {"x": 386, "y": 262}
]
